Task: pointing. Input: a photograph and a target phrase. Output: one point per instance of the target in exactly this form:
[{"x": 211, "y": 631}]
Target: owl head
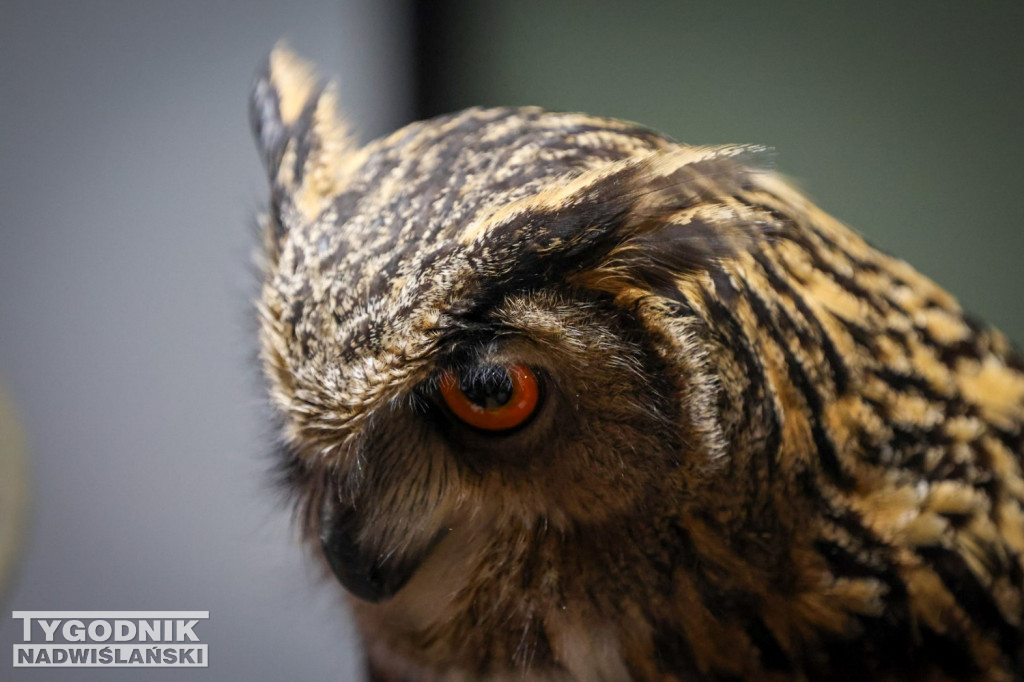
[
  {"x": 560, "y": 394},
  {"x": 487, "y": 336}
]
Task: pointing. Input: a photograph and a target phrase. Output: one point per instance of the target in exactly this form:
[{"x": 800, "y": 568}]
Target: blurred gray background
[
  {"x": 128, "y": 184},
  {"x": 128, "y": 191}
]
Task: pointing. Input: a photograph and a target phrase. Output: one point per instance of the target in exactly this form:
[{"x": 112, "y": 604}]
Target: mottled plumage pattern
[{"x": 766, "y": 450}]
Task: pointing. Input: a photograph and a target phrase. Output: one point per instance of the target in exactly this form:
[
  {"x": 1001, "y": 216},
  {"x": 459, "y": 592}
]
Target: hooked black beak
[{"x": 366, "y": 572}]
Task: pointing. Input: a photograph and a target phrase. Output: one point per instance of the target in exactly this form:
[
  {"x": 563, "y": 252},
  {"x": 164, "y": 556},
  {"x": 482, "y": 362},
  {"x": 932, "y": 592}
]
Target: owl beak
[{"x": 366, "y": 572}]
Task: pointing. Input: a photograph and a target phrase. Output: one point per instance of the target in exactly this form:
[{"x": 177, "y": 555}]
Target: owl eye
[{"x": 491, "y": 397}]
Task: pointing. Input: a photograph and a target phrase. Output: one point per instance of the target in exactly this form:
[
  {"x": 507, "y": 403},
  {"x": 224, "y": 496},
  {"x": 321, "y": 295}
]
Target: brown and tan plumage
[{"x": 762, "y": 449}]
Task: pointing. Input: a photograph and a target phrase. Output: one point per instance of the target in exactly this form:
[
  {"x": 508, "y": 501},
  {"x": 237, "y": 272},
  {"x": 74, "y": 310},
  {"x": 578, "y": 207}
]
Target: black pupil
[{"x": 488, "y": 386}]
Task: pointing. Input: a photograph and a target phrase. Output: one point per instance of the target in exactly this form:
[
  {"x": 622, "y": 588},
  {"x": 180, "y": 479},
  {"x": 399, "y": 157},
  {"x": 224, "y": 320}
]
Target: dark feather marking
[
  {"x": 305, "y": 137},
  {"x": 814, "y": 252},
  {"x": 756, "y": 391},
  {"x": 826, "y": 450},
  {"x": 973, "y": 597},
  {"x": 951, "y": 655},
  {"x": 773, "y": 656},
  {"x": 840, "y": 372},
  {"x": 265, "y": 120}
]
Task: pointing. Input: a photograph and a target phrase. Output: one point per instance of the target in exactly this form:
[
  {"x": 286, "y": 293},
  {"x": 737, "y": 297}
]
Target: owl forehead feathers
[{"x": 375, "y": 252}]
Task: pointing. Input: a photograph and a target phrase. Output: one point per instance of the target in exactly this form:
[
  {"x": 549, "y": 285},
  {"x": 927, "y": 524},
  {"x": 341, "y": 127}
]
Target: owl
[{"x": 564, "y": 400}]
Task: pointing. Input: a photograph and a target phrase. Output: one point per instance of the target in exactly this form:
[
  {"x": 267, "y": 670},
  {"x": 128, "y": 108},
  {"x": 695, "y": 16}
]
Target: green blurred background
[{"x": 903, "y": 119}]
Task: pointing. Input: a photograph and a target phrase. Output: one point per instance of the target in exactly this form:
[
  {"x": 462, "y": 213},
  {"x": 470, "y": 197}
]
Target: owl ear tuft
[{"x": 304, "y": 143}]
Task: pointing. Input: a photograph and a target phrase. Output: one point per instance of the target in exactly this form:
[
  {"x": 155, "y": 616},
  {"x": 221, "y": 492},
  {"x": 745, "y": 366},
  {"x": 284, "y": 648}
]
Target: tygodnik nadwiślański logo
[{"x": 111, "y": 639}]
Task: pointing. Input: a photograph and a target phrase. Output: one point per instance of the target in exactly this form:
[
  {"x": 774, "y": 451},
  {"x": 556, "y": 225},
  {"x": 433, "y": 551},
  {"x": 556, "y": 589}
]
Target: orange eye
[{"x": 491, "y": 397}]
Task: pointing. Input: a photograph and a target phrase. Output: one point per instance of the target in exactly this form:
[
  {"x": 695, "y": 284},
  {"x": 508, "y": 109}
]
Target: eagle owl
[{"x": 562, "y": 399}]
